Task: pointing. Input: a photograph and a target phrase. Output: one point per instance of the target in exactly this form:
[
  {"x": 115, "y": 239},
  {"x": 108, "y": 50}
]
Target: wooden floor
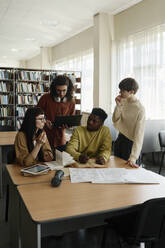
[{"x": 4, "y": 227}]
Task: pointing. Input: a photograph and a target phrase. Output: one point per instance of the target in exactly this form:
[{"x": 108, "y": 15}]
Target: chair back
[
  {"x": 11, "y": 155},
  {"x": 150, "y": 220},
  {"x": 162, "y": 138}
]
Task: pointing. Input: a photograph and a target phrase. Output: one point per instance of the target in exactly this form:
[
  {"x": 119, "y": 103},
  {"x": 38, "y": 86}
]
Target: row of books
[
  {"x": 6, "y": 74},
  {"x": 19, "y": 123},
  {"x": 6, "y": 111},
  {"x": 32, "y": 75},
  {"x": 29, "y": 87},
  {"x": 7, "y": 122},
  {"x": 6, "y": 86},
  {"x": 28, "y": 99},
  {"x": 21, "y": 111},
  {"x": 6, "y": 99}
]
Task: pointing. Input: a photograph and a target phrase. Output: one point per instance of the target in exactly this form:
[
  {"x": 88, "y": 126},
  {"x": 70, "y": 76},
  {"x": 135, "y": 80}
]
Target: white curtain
[
  {"x": 142, "y": 56},
  {"x": 81, "y": 62}
]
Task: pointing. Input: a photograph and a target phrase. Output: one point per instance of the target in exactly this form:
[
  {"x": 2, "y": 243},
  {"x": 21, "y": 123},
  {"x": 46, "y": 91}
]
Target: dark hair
[
  {"x": 100, "y": 113},
  {"x": 28, "y": 127},
  {"x": 62, "y": 80},
  {"x": 129, "y": 84}
]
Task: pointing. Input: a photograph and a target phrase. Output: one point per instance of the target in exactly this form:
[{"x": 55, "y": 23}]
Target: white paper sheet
[
  {"x": 140, "y": 176},
  {"x": 113, "y": 175},
  {"x": 64, "y": 158},
  {"x": 53, "y": 165},
  {"x": 91, "y": 174}
]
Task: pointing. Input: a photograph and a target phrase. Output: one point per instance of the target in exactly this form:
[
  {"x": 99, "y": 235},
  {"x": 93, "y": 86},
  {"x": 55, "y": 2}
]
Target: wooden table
[
  {"x": 45, "y": 210},
  {"x": 15, "y": 178},
  {"x": 6, "y": 139},
  {"x": 18, "y": 179}
]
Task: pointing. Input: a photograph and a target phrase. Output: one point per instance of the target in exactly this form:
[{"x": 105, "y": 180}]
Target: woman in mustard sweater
[{"x": 31, "y": 144}]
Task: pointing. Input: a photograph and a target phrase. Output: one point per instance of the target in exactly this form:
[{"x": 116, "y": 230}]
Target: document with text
[{"x": 114, "y": 175}]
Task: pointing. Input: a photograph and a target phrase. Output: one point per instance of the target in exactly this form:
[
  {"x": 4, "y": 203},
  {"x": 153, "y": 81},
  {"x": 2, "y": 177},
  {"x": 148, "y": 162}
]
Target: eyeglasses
[{"x": 41, "y": 119}]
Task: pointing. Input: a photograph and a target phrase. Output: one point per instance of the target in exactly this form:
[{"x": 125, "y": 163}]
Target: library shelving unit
[
  {"x": 7, "y": 99},
  {"x": 30, "y": 85},
  {"x": 22, "y": 88}
]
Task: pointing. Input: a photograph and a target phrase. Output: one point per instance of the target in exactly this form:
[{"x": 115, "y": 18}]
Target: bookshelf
[
  {"x": 22, "y": 88},
  {"x": 78, "y": 94},
  {"x": 7, "y": 99},
  {"x": 30, "y": 86}
]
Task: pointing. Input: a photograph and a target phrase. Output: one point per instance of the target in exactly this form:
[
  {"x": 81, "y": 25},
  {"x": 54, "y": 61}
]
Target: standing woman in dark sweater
[{"x": 58, "y": 102}]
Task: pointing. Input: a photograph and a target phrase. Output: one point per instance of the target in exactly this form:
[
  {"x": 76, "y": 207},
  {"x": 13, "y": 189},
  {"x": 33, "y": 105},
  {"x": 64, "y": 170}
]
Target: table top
[
  {"x": 18, "y": 179},
  {"x": 82, "y": 199},
  {"x": 7, "y": 138}
]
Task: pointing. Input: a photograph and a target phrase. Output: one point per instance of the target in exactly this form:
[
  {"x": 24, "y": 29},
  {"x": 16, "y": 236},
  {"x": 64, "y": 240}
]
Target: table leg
[
  {"x": 1, "y": 171},
  {"x": 30, "y": 231},
  {"x": 14, "y": 216}
]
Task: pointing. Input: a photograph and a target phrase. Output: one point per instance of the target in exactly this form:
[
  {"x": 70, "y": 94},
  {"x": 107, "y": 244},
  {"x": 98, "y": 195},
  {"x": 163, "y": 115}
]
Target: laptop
[{"x": 69, "y": 120}]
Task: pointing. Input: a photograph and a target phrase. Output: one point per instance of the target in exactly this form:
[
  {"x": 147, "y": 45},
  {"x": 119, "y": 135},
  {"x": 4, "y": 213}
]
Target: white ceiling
[{"x": 27, "y": 25}]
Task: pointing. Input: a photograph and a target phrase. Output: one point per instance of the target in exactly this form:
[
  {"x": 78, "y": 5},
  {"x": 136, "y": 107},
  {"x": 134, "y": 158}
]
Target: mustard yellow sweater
[
  {"x": 23, "y": 157},
  {"x": 129, "y": 119},
  {"x": 94, "y": 144}
]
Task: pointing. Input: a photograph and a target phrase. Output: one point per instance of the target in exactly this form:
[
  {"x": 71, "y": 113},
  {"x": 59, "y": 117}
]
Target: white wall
[
  {"x": 145, "y": 14},
  {"x": 34, "y": 63},
  {"x": 78, "y": 43},
  {"x": 9, "y": 63}
]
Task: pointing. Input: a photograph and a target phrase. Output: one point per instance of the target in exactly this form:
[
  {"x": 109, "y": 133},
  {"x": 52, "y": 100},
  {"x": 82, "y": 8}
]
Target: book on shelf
[
  {"x": 21, "y": 111},
  {"x": 3, "y": 87},
  {"x": 6, "y": 99},
  {"x": 6, "y": 86},
  {"x": 19, "y": 123},
  {"x": 7, "y": 122},
  {"x": 29, "y": 75},
  {"x": 6, "y": 111},
  {"x": 6, "y": 74}
]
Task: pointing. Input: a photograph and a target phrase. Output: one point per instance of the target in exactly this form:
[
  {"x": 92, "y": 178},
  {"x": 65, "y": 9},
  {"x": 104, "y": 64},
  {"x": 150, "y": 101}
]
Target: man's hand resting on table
[
  {"x": 100, "y": 160},
  {"x": 83, "y": 158}
]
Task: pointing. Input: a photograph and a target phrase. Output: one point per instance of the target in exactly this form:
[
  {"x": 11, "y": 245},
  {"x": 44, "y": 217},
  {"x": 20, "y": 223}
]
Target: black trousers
[{"x": 123, "y": 147}]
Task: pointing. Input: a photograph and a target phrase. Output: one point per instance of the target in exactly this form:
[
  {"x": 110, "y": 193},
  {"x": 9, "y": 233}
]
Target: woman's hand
[
  {"x": 132, "y": 164},
  {"x": 49, "y": 124},
  {"x": 118, "y": 100},
  {"x": 41, "y": 139},
  {"x": 48, "y": 156}
]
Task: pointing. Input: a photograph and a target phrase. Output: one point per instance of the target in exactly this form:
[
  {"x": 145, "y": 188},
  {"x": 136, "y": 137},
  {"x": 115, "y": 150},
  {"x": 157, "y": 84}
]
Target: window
[
  {"x": 81, "y": 62},
  {"x": 142, "y": 56}
]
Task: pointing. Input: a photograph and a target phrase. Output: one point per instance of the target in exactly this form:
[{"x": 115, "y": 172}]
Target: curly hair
[
  {"x": 62, "y": 80},
  {"x": 129, "y": 84},
  {"x": 28, "y": 127}
]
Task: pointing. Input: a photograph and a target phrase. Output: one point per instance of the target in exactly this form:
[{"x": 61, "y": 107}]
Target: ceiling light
[
  {"x": 4, "y": 57},
  {"x": 30, "y": 39},
  {"x": 49, "y": 22},
  {"x": 14, "y": 50}
]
